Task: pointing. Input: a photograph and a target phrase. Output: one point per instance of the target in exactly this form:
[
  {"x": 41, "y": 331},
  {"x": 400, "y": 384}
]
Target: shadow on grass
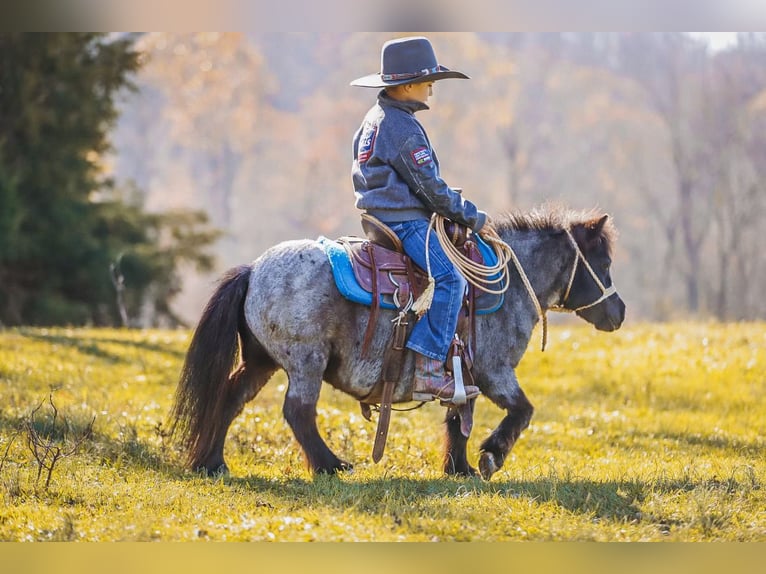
[
  {"x": 90, "y": 345},
  {"x": 128, "y": 450},
  {"x": 611, "y": 501}
]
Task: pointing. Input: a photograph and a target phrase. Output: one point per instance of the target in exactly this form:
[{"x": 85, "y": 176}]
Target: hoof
[
  {"x": 487, "y": 465},
  {"x": 215, "y": 472},
  {"x": 341, "y": 466}
]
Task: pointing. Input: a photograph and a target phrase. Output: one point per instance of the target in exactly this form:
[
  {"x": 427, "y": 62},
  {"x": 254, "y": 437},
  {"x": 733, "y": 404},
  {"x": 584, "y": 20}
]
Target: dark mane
[{"x": 552, "y": 217}]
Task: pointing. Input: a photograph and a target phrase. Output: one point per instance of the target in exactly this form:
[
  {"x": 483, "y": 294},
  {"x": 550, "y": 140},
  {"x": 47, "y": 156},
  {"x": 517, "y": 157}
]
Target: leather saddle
[{"x": 382, "y": 268}]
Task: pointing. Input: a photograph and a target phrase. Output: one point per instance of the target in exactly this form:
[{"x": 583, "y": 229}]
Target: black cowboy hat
[{"x": 407, "y": 61}]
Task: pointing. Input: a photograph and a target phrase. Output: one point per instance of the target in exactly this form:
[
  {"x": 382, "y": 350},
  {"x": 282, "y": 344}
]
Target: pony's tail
[{"x": 201, "y": 392}]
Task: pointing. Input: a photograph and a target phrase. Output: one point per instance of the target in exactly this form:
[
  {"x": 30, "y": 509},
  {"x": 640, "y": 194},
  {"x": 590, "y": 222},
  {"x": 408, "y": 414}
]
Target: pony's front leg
[
  {"x": 455, "y": 456},
  {"x": 496, "y": 447}
]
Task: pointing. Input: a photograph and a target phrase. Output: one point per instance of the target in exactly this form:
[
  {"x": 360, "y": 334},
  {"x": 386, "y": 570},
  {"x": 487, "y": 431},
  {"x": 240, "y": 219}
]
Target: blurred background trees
[
  {"x": 254, "y": 131},
  {"x": 68, "y": 234}
]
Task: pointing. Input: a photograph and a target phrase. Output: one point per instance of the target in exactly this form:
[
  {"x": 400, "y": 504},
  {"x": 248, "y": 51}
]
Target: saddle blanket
[{"x": 349, "y": 287}]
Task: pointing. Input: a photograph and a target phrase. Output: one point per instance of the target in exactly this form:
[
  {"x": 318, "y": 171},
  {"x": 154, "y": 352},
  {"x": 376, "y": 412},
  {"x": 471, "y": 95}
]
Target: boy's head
[
  {"x": 407, "y": 61},
  {"x": 417, "y": 92}
]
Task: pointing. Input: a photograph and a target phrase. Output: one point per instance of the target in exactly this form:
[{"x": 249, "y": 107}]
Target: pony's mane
[{"x": 554, "y": 217}]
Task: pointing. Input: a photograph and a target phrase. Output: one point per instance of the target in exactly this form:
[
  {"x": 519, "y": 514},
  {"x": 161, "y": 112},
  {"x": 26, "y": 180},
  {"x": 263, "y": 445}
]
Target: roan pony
[{"x": 284, "y": 311}]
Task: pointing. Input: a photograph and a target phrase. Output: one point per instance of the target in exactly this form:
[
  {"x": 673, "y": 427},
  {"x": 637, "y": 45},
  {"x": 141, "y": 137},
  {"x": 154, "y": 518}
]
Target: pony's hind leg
[
  {"x": 250, "y": 376},
  {"x": 455, "y": 455},
  {"x": 305, "y": 381}
]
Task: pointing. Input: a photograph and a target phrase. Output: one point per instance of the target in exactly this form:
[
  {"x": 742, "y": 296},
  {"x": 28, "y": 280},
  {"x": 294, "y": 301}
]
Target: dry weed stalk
[{"x": 45, "y": 448}]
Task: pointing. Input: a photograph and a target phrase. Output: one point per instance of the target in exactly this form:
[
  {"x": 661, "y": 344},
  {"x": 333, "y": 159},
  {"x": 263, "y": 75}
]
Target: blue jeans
[{"x": 433, "y": 333}]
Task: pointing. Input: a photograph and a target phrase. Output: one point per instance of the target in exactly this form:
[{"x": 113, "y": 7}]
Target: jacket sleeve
[{"x": 416, "y": 165}]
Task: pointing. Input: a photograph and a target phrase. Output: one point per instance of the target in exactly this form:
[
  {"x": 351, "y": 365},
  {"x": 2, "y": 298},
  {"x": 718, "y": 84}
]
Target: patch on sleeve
[
  {"x": 367, "y": 144},
  {"x": 421, "y": 156}
]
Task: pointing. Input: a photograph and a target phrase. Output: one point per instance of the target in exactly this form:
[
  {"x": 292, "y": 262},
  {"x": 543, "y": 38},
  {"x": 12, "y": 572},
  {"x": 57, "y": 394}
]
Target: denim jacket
[{"x": 396, "y": 171}]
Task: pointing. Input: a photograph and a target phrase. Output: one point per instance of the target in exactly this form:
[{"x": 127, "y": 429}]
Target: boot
[{"x": 433, "y": 382}]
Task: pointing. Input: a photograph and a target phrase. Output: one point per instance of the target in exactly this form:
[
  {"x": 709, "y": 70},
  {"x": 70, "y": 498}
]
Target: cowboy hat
[{"x": 407, "y": 61}]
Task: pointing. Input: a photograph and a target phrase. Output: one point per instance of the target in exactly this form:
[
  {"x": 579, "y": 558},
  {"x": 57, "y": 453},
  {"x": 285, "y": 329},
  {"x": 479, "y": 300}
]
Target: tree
[
  {"x": 739, "y": 93},
  {"x": 705, "y": 102},
  {"x": 63, "y": 220}
]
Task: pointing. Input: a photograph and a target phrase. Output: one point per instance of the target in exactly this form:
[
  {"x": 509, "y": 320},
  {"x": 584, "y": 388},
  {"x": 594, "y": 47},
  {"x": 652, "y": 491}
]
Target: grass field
[{"x": 655, "y": 432}]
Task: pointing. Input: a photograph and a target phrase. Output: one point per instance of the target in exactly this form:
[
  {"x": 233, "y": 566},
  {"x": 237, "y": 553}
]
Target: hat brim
[{"x": 376, "y": 81}]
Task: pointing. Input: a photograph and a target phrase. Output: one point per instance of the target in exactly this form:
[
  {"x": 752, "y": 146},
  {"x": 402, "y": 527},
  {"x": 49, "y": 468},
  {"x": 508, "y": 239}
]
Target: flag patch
[
  {"x": 367, "y": 144},
  {"x": 421, "y": 156}
]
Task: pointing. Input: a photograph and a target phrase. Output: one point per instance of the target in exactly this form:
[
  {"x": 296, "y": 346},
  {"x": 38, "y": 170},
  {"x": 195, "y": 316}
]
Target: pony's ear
[{"x": 596, "y": 226}]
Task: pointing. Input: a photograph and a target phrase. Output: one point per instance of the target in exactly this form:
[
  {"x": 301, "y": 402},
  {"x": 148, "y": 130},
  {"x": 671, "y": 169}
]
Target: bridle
[{"x": 606, "y": 292}]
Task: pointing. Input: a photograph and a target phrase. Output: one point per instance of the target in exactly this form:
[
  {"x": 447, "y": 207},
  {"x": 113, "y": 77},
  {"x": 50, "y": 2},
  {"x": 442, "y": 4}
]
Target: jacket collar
[{"x": 410, "y": 106}]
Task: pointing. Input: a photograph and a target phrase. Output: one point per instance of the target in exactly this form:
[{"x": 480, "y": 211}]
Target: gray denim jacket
[{"x": 396, "y": 172}]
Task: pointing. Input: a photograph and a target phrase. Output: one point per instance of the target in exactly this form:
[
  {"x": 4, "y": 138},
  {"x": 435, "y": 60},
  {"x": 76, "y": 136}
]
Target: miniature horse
[{"x": 284, "y": 311}]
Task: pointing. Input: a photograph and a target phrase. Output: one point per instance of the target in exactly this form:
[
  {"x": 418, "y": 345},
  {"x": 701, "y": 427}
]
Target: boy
[{"x": 396, "y": 179}]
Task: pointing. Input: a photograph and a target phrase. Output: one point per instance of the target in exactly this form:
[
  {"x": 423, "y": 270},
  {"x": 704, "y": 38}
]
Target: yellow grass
[{"x": 651, "y": 433}]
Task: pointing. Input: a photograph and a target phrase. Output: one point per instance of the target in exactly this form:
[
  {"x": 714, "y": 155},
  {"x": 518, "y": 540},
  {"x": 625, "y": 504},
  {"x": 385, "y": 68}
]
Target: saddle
[
  {"x": 384, "y": 276},
  {"x": 387, "y": 274},
  {"x": 382, "y": 270}
]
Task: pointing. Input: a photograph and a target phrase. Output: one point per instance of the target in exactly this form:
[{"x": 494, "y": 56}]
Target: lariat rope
[{"x": 476, "y": 274}]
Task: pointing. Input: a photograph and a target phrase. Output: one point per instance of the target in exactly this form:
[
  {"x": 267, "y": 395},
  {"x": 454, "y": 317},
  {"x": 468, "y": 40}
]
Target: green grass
[{"x": 655, "y": 432}]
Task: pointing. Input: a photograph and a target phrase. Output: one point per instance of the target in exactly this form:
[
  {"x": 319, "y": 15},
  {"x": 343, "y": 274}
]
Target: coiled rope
[{"x": 480, "y": 276}]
